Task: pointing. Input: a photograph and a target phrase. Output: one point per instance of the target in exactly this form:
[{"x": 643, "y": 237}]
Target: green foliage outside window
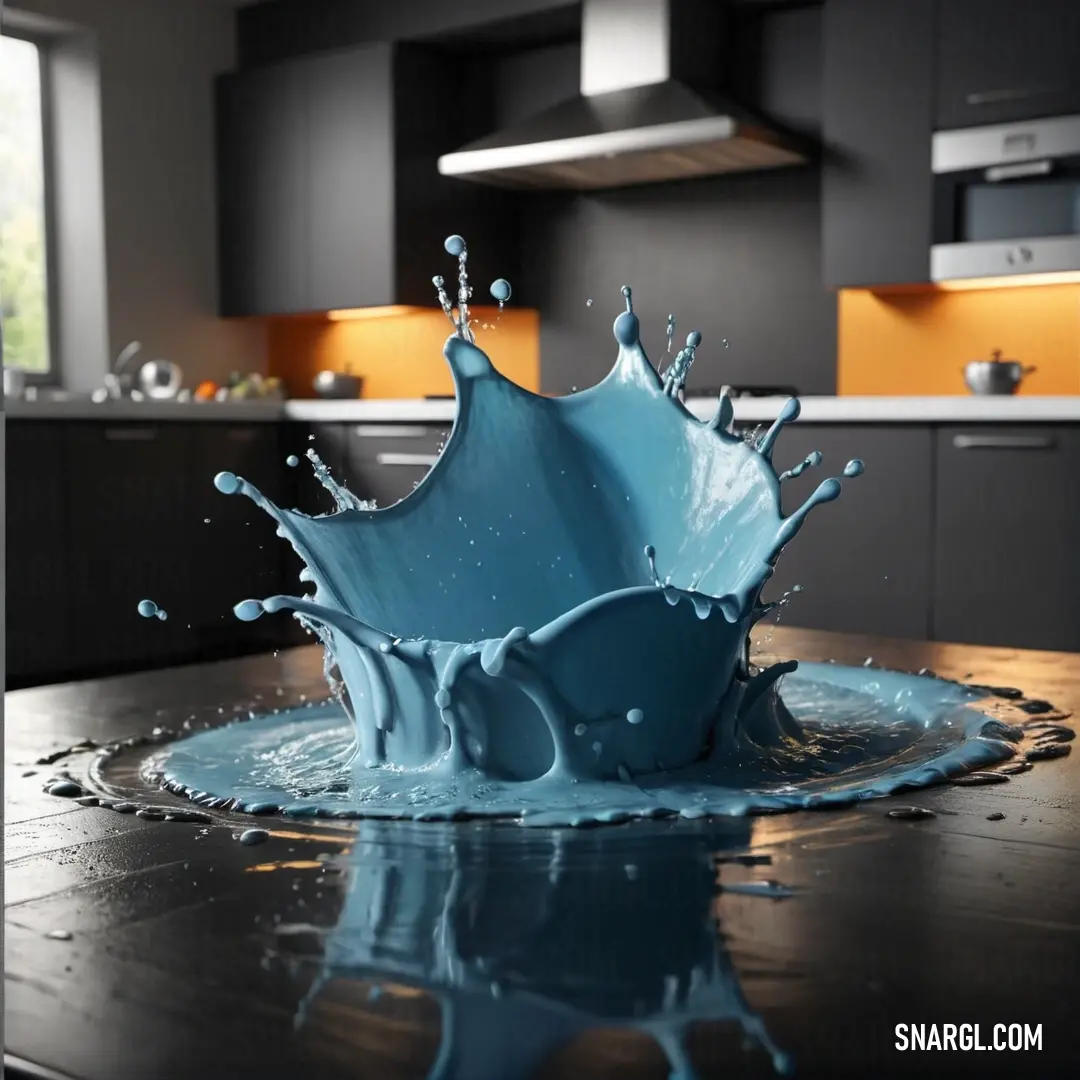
[{"x": 24, "y": 307}]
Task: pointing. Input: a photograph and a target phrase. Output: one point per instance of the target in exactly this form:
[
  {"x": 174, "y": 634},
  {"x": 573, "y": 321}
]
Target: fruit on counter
[
  {"x": 249, "y": 387},
  {"x": 206, "y": 390}
]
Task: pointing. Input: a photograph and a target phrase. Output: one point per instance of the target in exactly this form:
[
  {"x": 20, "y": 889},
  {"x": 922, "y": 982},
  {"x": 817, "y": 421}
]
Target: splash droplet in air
[
  {"x": 675, "y": 376},
  {"x": 149, "y": 610}
]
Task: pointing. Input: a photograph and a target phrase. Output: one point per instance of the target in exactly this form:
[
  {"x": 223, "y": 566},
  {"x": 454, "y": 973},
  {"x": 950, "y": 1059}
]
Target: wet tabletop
[{"x": 141, "y": 948}]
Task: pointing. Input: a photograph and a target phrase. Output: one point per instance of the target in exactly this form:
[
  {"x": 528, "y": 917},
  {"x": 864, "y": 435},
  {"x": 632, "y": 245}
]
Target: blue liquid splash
[{"x": 495, "y": 630}]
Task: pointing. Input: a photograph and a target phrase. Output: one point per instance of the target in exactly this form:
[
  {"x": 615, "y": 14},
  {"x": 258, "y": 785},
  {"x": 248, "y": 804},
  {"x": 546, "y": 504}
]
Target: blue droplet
[
  {"x": 251, "y": 837},
  {"x": 227, "y": 483},
  {"x": 854, "y": 467},
  {"x": 627, "y": 329},
  {"x": 248, "y": 610},
  {"x": 635, "y": 716},
  {"x": 500, "y": 290},
  {"x": 147, "y": 609},
  {"x": 693, "y": 339},
  {"x": 454, "y": 245},
  {"x": 292, "y": 461},
  {"x": 442, "y": 699}
]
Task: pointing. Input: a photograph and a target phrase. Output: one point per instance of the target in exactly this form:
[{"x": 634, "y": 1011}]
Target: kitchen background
[{"x": 255, "y": 188}]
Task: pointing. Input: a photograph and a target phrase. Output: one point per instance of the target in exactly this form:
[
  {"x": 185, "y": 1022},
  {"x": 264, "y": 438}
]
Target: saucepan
[
  {"x": 338, "y": 384},
  {"x": 995, "y": 376}
]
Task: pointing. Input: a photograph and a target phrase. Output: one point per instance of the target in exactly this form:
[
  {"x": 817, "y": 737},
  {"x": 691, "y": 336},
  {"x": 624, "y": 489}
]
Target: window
[{"x": 24, "y": 279}]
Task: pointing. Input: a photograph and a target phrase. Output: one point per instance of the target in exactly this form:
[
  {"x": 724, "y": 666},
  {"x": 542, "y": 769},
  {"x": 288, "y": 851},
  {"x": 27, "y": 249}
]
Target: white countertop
[{"x": 834, "y": 410}]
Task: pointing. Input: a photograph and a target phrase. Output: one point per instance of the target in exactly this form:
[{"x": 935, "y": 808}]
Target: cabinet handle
[
  {"x": 130, "y": 434},
  {"x": 390, "y": 431},
  {"x": 406, "y": 459},
  {"x": 1014, "y": 93},
  {"x": 996, "y": 173},
  {"x": 1003, "y": 442}
]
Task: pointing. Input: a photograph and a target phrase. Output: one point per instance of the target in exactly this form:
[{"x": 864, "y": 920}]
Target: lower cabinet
[
  {"x": 102, "y": 515},
  {"x": 385, "y": 462},
  {"x": 863, "y": 561},
  {"x": 128, "y": 486},
  {"x": 956, "y": 533},
  {"x": 39, "y": 542},
  {"x": 235, "y": 552},
  {"x": 1007, "y": 536}
]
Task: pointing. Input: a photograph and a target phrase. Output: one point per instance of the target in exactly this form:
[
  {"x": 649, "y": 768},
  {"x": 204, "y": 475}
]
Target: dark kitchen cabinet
[
  {"x": 1000, "y": 61},
  {"x": 305, "y": 166},
  {"x": 130, "y": 540},
  {"x": 863, "y": 561},
  {"x": 1007, "y": 527},
  {"x": 237, "y": 553},
  {"x": 39, "y": 539},
  {"x": 329, "y": 191},
  {"x": 263, "y": 191},
  {"x": 877, "y": 114},
  {"x": 351, "y": 160},
  {"x": 387, "y": 461}
]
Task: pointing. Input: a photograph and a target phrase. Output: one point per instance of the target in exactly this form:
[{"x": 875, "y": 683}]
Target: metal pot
[
  {"x": 995, "y": 376},
  {"x": 160, "y": 380},
  {"x": 337, "y": 384}
]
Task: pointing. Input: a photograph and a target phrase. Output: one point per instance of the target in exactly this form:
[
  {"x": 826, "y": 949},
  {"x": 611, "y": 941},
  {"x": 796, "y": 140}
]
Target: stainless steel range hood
[{"x": 649, "y": 110}]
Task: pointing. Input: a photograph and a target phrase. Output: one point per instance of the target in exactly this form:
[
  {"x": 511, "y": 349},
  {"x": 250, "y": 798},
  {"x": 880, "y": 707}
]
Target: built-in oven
[{"x": 1007, "y": 200}]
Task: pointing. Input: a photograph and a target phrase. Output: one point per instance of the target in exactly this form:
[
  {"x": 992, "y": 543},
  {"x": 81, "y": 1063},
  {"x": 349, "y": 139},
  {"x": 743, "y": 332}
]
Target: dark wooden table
[{"x": 177, "y": 966}]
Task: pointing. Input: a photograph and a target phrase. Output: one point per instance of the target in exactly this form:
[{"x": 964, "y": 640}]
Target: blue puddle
[{"x": 824, "y": 735}]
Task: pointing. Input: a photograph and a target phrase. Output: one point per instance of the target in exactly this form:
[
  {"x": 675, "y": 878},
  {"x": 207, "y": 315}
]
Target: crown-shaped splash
[{"x": 568, "y": 593}]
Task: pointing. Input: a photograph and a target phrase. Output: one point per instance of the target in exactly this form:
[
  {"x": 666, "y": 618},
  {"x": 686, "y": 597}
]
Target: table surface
[{"x": 178, "y": 966}]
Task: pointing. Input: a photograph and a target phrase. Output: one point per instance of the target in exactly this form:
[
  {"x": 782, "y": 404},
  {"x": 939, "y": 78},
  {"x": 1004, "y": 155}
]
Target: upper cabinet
[
  {"x": 877, "y": 114},
  {"x": 1004, "y": 60},
  {"x": 329, "y": 192}
]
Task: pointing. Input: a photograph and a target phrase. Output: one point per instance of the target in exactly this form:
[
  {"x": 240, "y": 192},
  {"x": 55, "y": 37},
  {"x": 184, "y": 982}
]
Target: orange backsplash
[
  {"x": 918, "y": 341},
  {"x": 399, "y": 354}
]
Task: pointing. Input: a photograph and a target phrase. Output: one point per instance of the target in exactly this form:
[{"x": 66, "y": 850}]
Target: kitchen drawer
[
  {"x": 1007, "y": 534},
  {"x": 386, "y": 461},
  {"x": 863, "y": 561}
]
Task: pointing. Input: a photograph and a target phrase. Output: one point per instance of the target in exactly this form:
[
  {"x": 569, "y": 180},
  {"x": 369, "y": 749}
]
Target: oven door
[{"x": 1000, "y": 206}]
